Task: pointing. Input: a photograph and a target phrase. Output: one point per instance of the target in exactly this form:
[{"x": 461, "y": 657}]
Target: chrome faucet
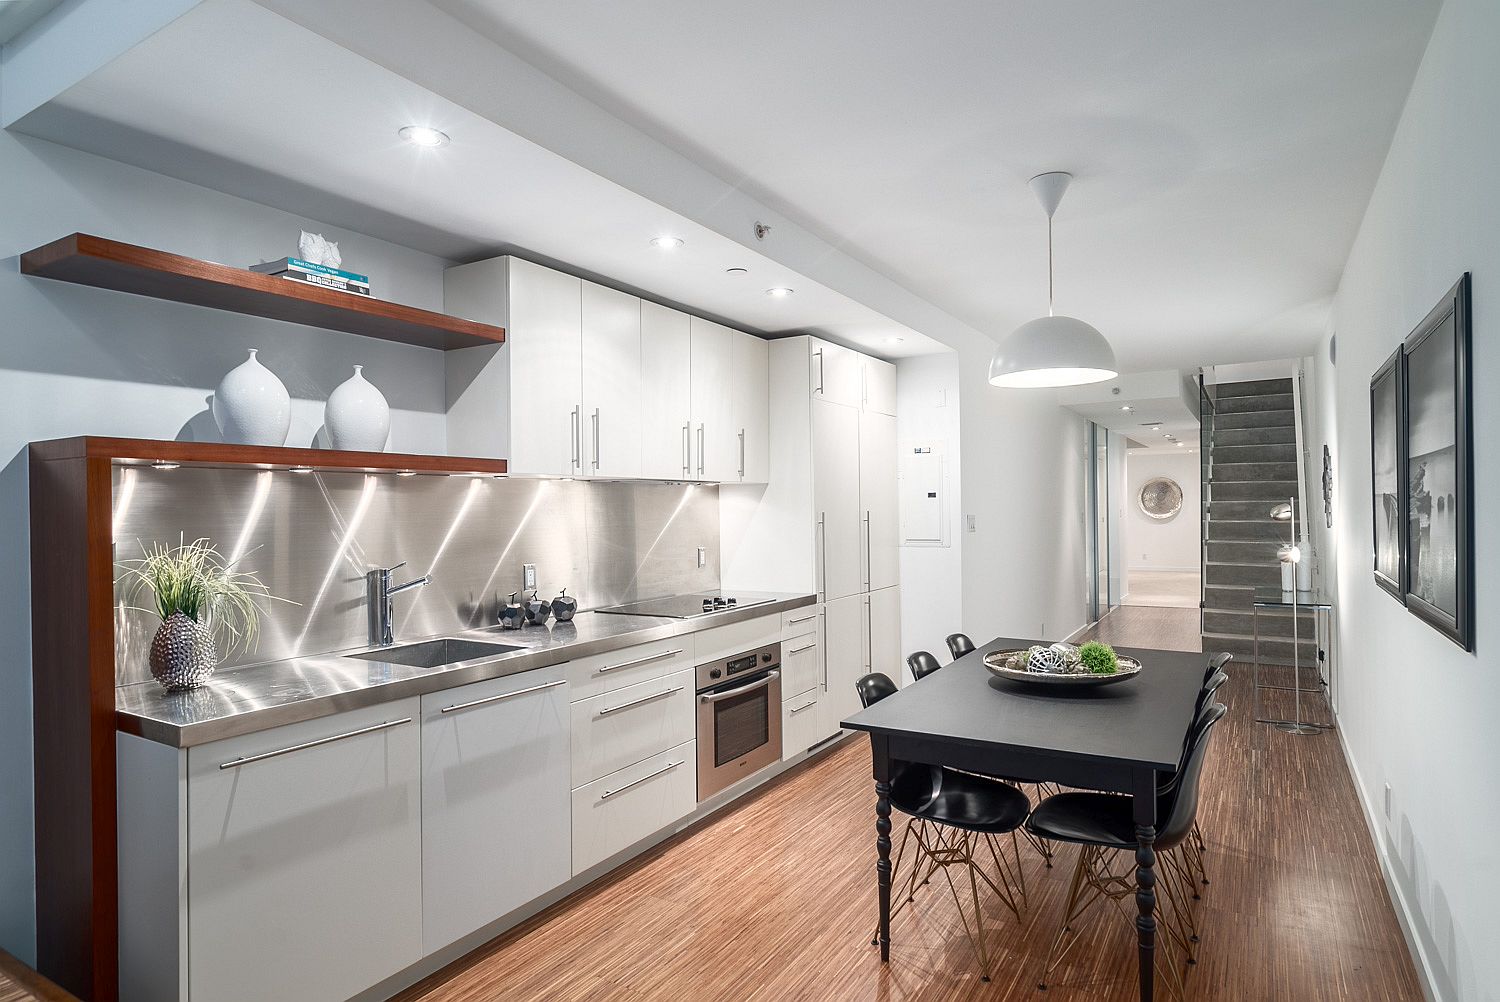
[{"x": 380, "y": 592}]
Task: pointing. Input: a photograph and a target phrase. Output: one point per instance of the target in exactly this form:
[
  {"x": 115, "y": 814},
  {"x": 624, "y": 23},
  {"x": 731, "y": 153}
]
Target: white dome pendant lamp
[{"x": 1052, "y": 350}]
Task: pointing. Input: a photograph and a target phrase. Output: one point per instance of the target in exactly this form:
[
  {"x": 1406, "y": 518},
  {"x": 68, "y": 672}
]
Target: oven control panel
[{"x": 762, "y": 659}]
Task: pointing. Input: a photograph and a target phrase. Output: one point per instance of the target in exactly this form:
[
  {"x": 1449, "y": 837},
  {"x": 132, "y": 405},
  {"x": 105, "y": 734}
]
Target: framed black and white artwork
[
  {"x": 1438, "y": 459},
  {"x": 1386, "y": 461}
]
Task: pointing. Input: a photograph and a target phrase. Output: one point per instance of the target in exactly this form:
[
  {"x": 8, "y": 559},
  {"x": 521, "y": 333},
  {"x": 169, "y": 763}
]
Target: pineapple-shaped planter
[{"x": 183, "y": 652}]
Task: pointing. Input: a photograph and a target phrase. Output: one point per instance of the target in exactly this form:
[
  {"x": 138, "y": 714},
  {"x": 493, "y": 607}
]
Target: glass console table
[{"x": 1274, "y": 600}]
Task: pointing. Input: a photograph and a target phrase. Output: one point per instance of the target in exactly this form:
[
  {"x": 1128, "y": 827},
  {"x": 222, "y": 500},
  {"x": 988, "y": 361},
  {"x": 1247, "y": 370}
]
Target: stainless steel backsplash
[{"x": 310, "y": 537}]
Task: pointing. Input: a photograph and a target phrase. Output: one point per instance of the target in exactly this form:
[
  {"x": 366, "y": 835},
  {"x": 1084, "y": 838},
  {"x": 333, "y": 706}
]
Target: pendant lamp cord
[{"x": 1049, "y": 264}]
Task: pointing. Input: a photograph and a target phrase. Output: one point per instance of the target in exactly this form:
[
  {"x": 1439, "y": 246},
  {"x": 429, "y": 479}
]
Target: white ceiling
[
  {"x": 1224, "y": 151},
  {"x": 249, "y": 124}
]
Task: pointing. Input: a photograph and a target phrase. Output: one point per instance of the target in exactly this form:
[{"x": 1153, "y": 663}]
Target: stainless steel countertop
[{"x": 258, "y": 697}]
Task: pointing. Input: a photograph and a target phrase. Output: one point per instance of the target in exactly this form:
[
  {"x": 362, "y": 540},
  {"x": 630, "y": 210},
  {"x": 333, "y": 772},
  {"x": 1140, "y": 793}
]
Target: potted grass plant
[{"x": 197, "y": 595}]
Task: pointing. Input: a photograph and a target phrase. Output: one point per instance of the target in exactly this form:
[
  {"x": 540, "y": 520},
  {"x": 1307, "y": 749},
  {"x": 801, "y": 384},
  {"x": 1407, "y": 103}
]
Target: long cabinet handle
[
  {"x": 687, "y": 448},
  {"x": 804, "y": 647},
  {"x": 607, "y": 710},
  {"x": 504, "y": 695},
  {"x": 869, "y": 636},
  {"x": 262, "y": 756},
  {"x": 720, "y": 696},
  {"x": 742, "y": 454},
  {"x": 805, "y": 706},
  {"x": 869, "y": 571},
  {"x": 823, "y": 629},
  {"x": 804, "y": 619},
  {"x": 700, "y": 450},
  {"x": 822, "y": 556},
  {"x": 819, "y": 354},
  {"x": 637, "y": 782},
  {"x": 639, "y": 661},
  {"x": 596, "y": 438},
  {"x": 577, "y": 435}
]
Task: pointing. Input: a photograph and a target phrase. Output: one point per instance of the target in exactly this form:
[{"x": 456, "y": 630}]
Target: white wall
[
  {"x": 928, "y": 407},
  {"x": 77, "y": 361},
  {"x": 1417, "y": 713},
  {"x": 1173, "y": 545}
]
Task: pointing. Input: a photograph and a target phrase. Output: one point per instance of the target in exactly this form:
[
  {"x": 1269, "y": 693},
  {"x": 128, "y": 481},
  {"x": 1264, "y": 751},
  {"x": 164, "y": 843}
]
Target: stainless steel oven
[{"x": 739, "y": 717}]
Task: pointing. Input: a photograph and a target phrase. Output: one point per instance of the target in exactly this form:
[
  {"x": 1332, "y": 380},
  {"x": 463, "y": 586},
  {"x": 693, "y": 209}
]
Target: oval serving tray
[{"x": 995, "y": 662}]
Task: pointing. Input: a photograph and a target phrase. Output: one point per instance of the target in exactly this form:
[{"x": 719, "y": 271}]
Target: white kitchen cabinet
[
  {"x": 496, "y": 814},
  {"x": 837, "y": 373},
  {"x": 879, "y": 509},
  {"x": 521, "y": 401},
  {"x": 801, "y": 622},
  {"x": 305, "y": 857},
  {"x": 589, "y": 676},
  {"x": 714, "y": 442},
  {"x": 751, "y": 399},
  {"x": 666, "y": 392},
  {"x": 799, "y": 723},
  {"x": 845, "y": 656},
  {"x": 619, "y": 810},
  {"x": 801, "y": 665},
  {"x": 619, "y": 728},
  {"x": 611, "y": 359},
  {"x": 883, "y": 633},
  {"x": 839, "y": 559},
  {"x": 879, "y": 385}
]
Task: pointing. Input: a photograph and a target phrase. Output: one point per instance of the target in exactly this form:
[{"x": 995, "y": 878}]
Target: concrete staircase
[{"x": 1254, "y": 467}]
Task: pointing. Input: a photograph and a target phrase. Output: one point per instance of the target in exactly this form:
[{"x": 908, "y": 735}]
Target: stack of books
[{"x": 298, "y": 270}]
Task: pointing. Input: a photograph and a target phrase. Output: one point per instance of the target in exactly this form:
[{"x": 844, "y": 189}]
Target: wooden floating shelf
[
  {"x": 146, "y": 452},
  {"x": 109, "y": 264}
]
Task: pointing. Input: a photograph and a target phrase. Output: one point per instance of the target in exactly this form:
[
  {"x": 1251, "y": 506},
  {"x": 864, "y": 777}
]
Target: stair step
[
  {"x": 1253, "y": 472},
  {"x": 1277, "y": 452},
  {"x": 1224, "y": 530},
  {"x": 1259, "y": 402},
  {"x": 1222, "y": 574},
  {"x": 1258, "y": 552},
  {"x": 1253, "y": 388},
  {"x": 1243, "y": 511},
  {"x": 1271, "y": 651},
  {"x": 1267, "y": 492},
  {"x": 1272, "y": 625},
  {"x": 1255, "y": 419},
  {"x": 1233, "y": 598},
  {"x": 1269, "y": 435}
]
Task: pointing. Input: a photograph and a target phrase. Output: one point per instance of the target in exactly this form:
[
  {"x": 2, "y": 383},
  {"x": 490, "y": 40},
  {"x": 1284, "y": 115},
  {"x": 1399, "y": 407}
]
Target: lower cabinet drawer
[
  {"x": 618, "y": 810},
  {"x": 603, "y": 672},
  {"x": 800, "y": 668},
  {"x": 618, "y": 728},
  {"x": 801, "y": 622},
  {"x": 799, "y": 724}
]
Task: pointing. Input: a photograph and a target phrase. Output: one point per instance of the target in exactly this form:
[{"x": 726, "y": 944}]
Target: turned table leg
[{"x": 1145, "y": 882}]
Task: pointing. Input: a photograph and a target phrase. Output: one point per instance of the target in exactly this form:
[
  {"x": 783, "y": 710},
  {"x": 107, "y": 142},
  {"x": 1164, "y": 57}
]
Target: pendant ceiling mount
[{"x": 1052, "y": 350}]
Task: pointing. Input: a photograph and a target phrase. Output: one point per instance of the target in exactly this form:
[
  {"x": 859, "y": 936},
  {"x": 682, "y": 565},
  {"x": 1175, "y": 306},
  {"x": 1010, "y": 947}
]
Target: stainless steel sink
[{"x": 436, "y": 653}]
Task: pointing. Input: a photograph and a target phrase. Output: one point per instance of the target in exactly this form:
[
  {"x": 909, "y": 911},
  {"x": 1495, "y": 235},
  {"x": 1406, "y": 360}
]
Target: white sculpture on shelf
[
  {"x": 357, "y": 416},
  {"x": 316, "y": 250},
  {"x": 251, "y": 406}
]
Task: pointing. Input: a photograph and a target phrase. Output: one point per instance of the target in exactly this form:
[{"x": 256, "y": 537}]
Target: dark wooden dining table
[{"x": 1122, "y": 738}]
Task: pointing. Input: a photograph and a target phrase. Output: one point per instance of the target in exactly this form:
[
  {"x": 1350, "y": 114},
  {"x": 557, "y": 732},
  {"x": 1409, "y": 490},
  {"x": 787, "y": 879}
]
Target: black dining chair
[
  {"x": 952, "y": 816},
  {"x": 959, "y": 644},
  {"x": 1103, "y": 824},
  {"x": 922, "y": 664}
]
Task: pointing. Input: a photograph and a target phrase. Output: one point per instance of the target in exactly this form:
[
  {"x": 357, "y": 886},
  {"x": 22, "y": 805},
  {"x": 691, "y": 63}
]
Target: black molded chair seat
[
  {"x": 922, "y": 664},
  {"x": 959, "y": 644},
  {"x": 1085, "y": 818},
  {"x": 958, "y": 799}
]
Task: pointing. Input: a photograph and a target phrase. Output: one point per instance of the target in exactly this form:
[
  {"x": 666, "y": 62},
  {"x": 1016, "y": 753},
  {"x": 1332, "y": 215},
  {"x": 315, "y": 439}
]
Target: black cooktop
[{"x": 684, "y": 606}]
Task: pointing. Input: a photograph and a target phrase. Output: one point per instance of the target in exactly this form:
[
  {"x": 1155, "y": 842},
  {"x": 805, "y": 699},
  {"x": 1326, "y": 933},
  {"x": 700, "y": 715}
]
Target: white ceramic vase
[
  {"x": 251, "y": 406},
  {"x": 357, "y": 416}
]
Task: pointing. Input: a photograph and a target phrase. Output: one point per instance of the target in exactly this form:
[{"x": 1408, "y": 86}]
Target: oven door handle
[{"x": 717, "y": 696}]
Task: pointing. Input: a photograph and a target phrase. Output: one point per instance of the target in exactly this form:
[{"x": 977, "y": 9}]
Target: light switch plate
[
  {"x": 528, "y": 576},
  {"x": 702, "y": 555}
]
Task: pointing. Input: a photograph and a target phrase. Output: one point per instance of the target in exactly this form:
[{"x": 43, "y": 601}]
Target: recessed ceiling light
[
  {"x": 1127, "y": 408},
  {"x": 299, "y": 469},
  {"x": 162, "y": 464},
  {"x": 736, "y": 271},
  {"x": 406, "y": 473},
  {"x": 780, "y": 292},
  {"x": 894, "y": 339},
  {"x": 666, "y": 243},
  {"x": 1181, "y": 444},
  {"x": 423, "y": 136}
]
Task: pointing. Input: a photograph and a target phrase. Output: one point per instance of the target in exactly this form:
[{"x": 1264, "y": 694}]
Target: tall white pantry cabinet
[
  {"x": 594, "y": 382},
  {"x": 828, "y": 519}
]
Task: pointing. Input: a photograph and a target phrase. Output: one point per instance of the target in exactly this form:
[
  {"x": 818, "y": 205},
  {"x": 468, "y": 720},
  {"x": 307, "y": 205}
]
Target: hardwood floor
[
  {"x": 774, "y": 899},
  {"x": 1174, "y": 589},
  {"x": 19, "y": 983}
]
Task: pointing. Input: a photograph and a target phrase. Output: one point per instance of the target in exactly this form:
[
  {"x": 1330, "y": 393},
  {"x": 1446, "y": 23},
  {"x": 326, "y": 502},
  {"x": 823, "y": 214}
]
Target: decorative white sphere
[
  {"x": 251, "y": 406},
  {"x": 357, "y": 417}
]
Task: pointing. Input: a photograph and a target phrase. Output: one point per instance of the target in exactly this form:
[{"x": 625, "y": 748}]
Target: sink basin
[{"x": 436, "y": 653}]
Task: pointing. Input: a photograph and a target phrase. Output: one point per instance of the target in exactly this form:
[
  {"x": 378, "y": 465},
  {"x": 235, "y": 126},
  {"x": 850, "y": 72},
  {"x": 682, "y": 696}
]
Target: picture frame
[
  {"x": 1387, "y": 465},
  {"x": 1438, "y": 467}
]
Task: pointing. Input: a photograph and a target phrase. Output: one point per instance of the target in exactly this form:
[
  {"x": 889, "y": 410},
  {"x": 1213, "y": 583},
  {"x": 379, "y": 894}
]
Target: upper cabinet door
[
  {"x": 837, "y": 373},
  {"x": 879, "y": 385},
  {"x": 838, "y": 560},
  {"x": 666, "y": 393},
  {"x": 752, "y": 408},
  {"x": 545, "y": 340},
  {"x": 715, "y": 437},
  {"x": 611, "y": 382},
  {"x": 878, "y": 500}
]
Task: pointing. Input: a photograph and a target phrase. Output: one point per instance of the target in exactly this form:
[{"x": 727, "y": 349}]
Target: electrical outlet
[
  {"x": 528, "y": 577},
  {"x": 972, "y": 527},
  {"x": 1388, "y": 801},
  {"x": 702, "y": 556}
]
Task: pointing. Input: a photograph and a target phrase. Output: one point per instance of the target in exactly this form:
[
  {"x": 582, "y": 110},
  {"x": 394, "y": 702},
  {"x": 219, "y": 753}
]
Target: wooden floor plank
[{"x": 774, "y": 899}]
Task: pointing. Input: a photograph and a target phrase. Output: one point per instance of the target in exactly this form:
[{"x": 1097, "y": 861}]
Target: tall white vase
[
  {"x": 251, "y": 406},
  {"x": 357, "y": 416}
]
